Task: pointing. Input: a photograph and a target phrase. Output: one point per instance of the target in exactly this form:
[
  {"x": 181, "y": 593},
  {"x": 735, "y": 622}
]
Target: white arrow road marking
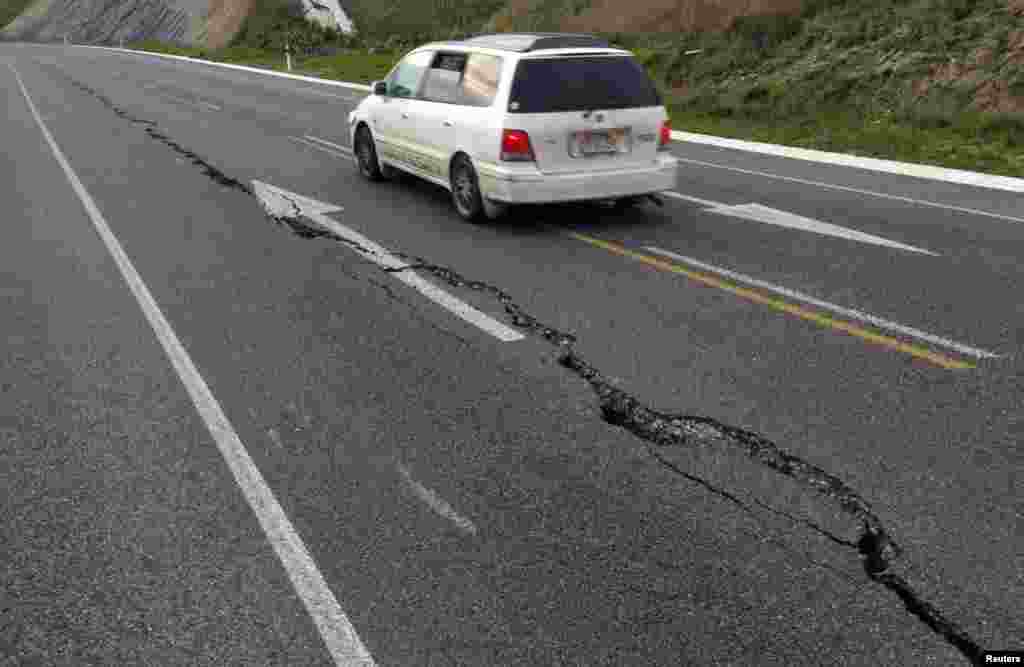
[
  {"x": 282, "y": 203},
  {"x": 846, "y": 312},
  {"x": 344, "y": 645},
  {"x": 773, "y": 216}
]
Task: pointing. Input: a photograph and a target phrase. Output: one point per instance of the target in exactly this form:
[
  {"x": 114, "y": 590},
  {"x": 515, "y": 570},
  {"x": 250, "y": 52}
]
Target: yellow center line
[{"x": 778, "y": 304}]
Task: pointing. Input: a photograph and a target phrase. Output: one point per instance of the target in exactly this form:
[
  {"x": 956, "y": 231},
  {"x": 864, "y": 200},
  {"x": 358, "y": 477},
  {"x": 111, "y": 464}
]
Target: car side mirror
[{"x": 380, "y": 87}]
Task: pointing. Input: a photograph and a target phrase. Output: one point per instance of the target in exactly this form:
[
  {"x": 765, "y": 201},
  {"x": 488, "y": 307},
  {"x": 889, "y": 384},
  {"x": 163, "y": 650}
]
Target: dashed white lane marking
[
  {"x": 846, "y": 312},
  {"x": 844, "y": 188},
  {"x": 338, "y": 147},
  {"x": 307, "y": 91},
  {"x": 337, "y": 632},
  {"x": 310, "y": 144},
  {"x": 280, "y": 202},
  {"x": 435, "y": 502}
]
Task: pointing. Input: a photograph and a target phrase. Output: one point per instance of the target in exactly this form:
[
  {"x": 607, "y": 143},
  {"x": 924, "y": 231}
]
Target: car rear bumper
[{"x": 524, "y": 184}]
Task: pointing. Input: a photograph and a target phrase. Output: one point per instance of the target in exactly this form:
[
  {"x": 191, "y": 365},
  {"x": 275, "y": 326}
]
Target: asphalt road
[{"x": 463, "y": 498}]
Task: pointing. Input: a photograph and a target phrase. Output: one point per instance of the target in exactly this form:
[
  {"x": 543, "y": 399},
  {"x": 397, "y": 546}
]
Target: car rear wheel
[
  {"x": 466, "y": 196},
  {"x": 366, "y": 157}
]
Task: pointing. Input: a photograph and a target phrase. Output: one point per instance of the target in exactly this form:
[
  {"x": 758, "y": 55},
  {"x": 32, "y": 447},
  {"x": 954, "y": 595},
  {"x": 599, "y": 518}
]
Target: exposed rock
[
  {"x": 1016, "y": 7},
  {"x": 982, "y": 57},
  {"x": 225, "y": 20},
  {"x": 1015, "y": 47},
  {"x": 995, "y": 97}
]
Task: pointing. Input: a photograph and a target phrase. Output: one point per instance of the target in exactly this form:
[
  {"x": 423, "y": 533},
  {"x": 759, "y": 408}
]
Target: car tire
[
  {"x": 466, "y": 197},
  {"x": 367, "y": 161}
]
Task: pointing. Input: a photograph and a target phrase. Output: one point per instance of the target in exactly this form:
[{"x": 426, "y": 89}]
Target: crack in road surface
[{"x": 659, "y": 430}]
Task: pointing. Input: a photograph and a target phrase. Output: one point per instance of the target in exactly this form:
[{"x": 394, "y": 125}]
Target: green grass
[{"x": 10, "y": 9}]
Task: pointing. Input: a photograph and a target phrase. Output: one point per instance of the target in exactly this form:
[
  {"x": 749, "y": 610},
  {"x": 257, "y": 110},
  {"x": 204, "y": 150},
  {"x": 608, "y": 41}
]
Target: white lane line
[
  {"x": 846, "y": 312},
  {"x": 279, "y": 202},
  {"x": 337, "y": 632},
  {"x": 436, "y": 503},
  {"x": 344, "y": 149},
  {"x": 695, "y": 200},
  {"x": 871, "y": 193},
  {"x": 307, "y": 91},
  {"x": 928, "y": 171},
  {"x": 310, "y": 144}
]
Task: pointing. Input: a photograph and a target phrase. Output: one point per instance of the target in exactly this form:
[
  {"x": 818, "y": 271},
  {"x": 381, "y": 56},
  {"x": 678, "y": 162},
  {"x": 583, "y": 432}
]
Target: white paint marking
[
  {"x": 337, "y": 632},
  {"x": 310, "y": 144},
  {"x": 695, "y": 200},
  {"x": 846, "y": 312},
  {"x": 307, "y": 91},
  {"x": 927, "y": 171},
  {"x": 282, "y": 203},
  {"x": 436, "y": 503},
  {"x": 344, "y": 149},
  {"x": 844, "y": 188},
  {"x": 772, "y": 216}
]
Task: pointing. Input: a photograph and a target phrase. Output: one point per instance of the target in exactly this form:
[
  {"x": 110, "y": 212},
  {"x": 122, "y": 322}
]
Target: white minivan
[{"x": 518, "y": 118}]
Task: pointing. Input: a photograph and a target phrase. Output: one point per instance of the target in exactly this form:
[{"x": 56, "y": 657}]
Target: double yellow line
[{"x": 777, "y": 304}]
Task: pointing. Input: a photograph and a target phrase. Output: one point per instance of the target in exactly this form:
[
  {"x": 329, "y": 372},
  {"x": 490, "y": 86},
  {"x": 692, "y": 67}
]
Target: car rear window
[{"x": 551, "y": 85}]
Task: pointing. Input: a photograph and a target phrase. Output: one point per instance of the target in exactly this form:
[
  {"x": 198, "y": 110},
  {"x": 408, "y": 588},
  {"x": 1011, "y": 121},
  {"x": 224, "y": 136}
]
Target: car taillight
[
  {"x": 515, "y": 146},
  {"x": 666, "y": 135}
]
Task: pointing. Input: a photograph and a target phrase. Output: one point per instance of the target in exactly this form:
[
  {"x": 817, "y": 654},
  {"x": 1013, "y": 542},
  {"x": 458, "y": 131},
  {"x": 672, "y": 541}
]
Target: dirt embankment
[
  {"x": 225, "y": 20},
  {"x": 982, "y": 72},
  {"x": 672, "y": 15},
  {"x": 652, "y": 15}
]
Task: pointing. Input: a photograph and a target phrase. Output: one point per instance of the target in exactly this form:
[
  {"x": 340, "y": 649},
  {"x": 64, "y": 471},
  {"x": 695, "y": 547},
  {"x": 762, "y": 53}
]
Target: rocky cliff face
[
  {"x": 108, "y": 20},
  {"x": 210, "y": 23}
]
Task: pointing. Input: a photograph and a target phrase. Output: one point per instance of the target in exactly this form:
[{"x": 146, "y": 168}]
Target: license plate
[{"x": 597, "y": 142}]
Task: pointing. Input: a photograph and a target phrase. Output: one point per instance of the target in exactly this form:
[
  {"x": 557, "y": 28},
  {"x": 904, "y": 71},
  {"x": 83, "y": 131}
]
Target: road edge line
[{"x": 336, "y": 631}]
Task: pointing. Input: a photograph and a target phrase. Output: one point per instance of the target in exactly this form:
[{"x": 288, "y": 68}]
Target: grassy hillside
[{"x": 10, "y": 9}]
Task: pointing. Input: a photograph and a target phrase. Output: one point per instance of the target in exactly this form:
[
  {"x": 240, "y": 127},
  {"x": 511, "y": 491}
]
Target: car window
[
  {"x": 405, "y": 78},
  {"x": 552, "y": 85},
  {"x": 480, "y": 79},
  {"x": 443, "y": 78}
]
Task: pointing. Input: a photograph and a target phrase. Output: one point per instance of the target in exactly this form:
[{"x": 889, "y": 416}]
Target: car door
[
  {"x": 436, "y": 112},
  {"x": 392, "y": 126},
  {"x": 452, "y": 106}
]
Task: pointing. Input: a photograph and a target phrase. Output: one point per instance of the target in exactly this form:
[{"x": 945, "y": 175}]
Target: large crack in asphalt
[{"x": 659, "y": 430}]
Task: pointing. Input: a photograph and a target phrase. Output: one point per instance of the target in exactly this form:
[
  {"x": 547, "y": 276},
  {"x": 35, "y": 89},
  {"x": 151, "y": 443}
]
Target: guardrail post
[{"x": 288, "y": 54}]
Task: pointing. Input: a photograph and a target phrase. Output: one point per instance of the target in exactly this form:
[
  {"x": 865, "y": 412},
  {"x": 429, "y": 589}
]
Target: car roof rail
[{"x": 536, "y": 41}]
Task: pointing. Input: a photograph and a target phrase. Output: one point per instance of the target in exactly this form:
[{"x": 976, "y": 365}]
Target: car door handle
[
  {"x": 405, "y": 115},
  {"x": 448, "y": 123}
]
